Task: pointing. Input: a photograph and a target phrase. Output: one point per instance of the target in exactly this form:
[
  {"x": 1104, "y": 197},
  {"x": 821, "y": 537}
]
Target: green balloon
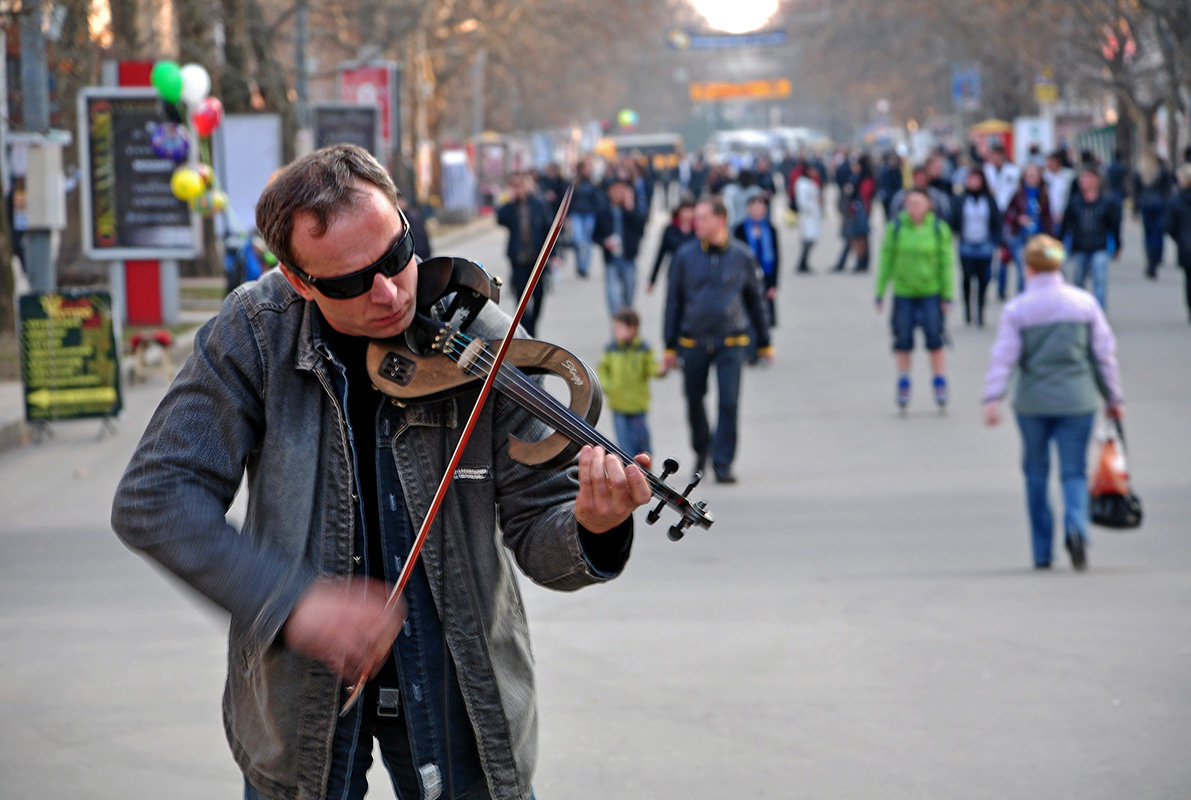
[{"x": 166, "y": 78}]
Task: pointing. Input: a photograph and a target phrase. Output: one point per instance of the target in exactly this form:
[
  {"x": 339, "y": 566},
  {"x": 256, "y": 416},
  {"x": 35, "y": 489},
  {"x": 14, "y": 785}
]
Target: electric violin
[{"x": 436, "y": 359}]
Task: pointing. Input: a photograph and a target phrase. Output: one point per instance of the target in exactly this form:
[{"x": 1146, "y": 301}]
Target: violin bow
[{"x": 423, "y": 532}]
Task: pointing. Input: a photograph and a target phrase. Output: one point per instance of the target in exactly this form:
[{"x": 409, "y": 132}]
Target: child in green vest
[{"x": 624, "y": 371}]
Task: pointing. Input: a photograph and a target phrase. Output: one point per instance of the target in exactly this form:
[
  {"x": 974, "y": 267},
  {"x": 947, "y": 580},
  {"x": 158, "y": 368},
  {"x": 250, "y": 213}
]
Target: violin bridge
[{"x": 470, "y": 354}]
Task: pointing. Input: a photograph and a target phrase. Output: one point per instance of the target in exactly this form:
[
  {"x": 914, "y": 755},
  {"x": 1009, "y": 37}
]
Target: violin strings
[{"x": 517, "y": 384}]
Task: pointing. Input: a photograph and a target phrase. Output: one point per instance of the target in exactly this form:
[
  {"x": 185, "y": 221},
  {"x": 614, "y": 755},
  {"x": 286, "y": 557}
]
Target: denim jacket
[{"x": 256, "y": 396}]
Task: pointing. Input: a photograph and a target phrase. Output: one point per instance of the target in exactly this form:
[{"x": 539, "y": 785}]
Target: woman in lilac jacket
[{"x": 1056, "y": 337}]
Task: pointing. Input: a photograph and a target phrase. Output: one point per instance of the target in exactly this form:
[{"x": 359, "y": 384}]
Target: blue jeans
[
  {"x": 582, "y": 229},
  {"x": 696, "y": 367},
  {"x": 620, "y": 281},
  {"x": 632, "y": 432},
  {"x": 1017, "y": 250},
  {"x": 351, "y": 756},
  {"x": 1070, "y": 433},
  {"x": 1095, "y": 263}
]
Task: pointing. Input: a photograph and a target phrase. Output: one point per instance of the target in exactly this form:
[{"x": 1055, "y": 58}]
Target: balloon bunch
[{"x": 190, "y": 84}]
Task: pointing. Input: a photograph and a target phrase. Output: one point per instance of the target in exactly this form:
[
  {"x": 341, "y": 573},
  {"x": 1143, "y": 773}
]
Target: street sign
[
  {"x": 967, "y": 86},
  {"x": 70, "y": 365},
  {"x": 129, "y": 210},
  {"x": 703, "y": 92},
  {"x": 346, "y": 123},
  {"x": 376, "y": 83},
  {"x": 1045, "y": 88},
  {"x": 680, "y": 39}
]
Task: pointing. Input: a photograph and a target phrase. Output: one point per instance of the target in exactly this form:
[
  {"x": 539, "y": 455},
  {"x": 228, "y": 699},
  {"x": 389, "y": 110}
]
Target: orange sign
[{"x": 703, "y": 92}]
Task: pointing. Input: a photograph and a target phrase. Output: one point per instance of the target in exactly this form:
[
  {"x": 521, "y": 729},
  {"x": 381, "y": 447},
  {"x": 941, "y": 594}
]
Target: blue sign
[
  {"x": 679, "y": 39},
  {"x": 967, "y": 86}
]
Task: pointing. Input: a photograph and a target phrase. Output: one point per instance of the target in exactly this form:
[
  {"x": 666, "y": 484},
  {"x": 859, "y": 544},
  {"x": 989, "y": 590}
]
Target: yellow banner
[{"x": 708, "y": 91}]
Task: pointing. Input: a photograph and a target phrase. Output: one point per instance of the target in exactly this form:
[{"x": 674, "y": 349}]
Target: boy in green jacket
[
  {"x": 916, "y": 257},
  {"x": 624, "y": 372}
]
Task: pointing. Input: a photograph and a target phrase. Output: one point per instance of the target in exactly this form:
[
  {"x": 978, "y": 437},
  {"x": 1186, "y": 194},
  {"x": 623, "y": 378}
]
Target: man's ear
[{"x": 300, "y": 286}]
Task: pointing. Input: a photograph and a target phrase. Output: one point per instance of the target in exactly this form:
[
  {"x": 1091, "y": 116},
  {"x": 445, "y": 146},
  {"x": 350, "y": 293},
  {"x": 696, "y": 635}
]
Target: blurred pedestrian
[
  {"x": 624, "y": 370},
  {"x": 1056, "y": 339},
  {"x": 528, "y": 222},
  {"x": 920, "y": 179},
  {"x": 1092, "y": 222},
  {"x": 1060, "y": 180},
  {"x": 680, "y": 231},
  {"x": 855, "y": 228},
  {"x": 1028, "y": 215},
  {"x": 585, "y": 204},
  {"x": 977, "y": 225},
  {"x": 757, "y": 232},
  {"x": 553, "y": 186},
  {"x": 1152, "y": 187},
  {"x": 1116, "y": 177},
  {"x": 619, "y": 228},
  {"x": 1004, "y": 179},
  {"x": 916, "y": 258},
  {"x": 809, "y": 195},
  {"x": 712, "y": 298},
  {"x": 1178, "y": 225},
  {"x": 889, "y": 182},
  {"x": 417, "y": 226}
]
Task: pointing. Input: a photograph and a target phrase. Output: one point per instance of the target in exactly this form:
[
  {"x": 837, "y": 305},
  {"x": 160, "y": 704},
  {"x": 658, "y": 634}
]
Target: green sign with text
[{"x": 70, "y": 364}]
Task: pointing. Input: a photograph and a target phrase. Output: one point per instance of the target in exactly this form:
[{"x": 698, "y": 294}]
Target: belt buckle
[{"x": 388, "y": 703}]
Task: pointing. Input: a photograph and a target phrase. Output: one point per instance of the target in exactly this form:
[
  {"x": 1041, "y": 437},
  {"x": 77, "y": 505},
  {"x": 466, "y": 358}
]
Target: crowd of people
[{"x": 1038, "y": 232}]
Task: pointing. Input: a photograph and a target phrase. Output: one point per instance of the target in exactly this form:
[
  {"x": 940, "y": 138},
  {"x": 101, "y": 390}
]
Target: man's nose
[{"x": 383, "y": 289}]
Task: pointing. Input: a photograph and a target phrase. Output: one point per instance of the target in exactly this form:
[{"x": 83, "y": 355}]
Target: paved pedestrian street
[{"x": 862, "y": 620}]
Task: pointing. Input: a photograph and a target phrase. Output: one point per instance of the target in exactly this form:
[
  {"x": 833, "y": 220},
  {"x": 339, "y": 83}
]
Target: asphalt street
[{"x": 861, "y": 621}]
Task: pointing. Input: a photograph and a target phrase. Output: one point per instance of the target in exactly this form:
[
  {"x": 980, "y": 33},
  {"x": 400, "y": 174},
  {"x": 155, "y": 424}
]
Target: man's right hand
[{"x": 344, "y": 624}]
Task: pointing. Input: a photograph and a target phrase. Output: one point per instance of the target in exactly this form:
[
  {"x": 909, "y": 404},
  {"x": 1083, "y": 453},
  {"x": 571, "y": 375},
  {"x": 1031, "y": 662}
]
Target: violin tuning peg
[
  {"x": 669, "y": 466},
  {"x": 698, "y": 476},
  {"x": 675, "y": 533},
  {"x": 656, "y": 513}
]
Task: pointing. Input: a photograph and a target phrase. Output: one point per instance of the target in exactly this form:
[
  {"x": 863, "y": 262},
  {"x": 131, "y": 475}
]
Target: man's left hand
[{"x": 609, "y": 491}]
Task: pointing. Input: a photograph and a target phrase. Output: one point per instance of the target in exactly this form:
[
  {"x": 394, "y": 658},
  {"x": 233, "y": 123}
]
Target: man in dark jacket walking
[
  {"x": 1092, "y": 221},
  {"x": 619, "y": 228},
  {"x": 528, "y": 221},
  {"x": 713, "y": 295}
]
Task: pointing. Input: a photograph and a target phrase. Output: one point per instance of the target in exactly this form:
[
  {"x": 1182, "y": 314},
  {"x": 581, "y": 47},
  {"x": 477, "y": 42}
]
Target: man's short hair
[
  {"x": 717, "y": 206},
  {"x": 628, "y": 316},
  {"x": 323, "y": 185}
]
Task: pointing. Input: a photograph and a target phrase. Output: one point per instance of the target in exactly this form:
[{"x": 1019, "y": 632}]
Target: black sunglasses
[{"x": 357, "y": 283}]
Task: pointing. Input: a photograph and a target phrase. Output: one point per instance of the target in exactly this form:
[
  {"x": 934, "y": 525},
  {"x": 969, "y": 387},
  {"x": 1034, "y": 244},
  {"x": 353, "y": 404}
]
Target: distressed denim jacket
[{"x": 256, "y": 396}]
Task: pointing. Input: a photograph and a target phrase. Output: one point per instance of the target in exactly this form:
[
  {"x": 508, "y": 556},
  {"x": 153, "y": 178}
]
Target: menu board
[
  {"x": 69, "y": 361},
  {"x": 129, "y": 210}
]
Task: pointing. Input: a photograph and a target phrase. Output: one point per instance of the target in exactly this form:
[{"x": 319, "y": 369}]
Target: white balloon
[{"x": 196, "y": 84}]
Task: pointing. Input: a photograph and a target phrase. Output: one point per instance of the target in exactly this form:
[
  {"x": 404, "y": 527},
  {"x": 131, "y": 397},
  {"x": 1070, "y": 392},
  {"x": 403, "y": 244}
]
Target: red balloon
[{"x": 207, "y": 116}]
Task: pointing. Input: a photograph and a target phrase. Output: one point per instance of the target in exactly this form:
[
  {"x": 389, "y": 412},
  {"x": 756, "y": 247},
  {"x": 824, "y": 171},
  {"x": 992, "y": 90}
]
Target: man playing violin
[{"x": 338, "y": 477}]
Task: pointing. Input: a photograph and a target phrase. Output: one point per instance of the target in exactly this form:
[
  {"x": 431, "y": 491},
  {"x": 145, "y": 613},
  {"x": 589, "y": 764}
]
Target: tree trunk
[
  {"x": 271, "y": 77},
  {"x": 126, "y": 34},
  {"x": 235, "y": 91}
]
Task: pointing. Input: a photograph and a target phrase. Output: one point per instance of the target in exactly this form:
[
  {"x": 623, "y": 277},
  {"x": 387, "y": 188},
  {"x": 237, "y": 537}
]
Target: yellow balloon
[{"x": 186, "y": 184}]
